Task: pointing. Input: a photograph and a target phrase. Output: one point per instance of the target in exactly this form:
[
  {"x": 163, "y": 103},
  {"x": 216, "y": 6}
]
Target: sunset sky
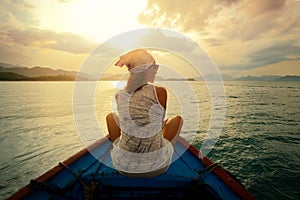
[{"x": 243, "y": 37}]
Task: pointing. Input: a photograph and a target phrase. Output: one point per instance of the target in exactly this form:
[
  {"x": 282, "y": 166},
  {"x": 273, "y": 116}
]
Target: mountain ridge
[{"x": 21, "y": 73}]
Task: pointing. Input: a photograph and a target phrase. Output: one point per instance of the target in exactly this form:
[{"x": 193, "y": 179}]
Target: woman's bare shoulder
[
  {"x": 160, "y": 90},
  {"x": 161, "y": 95}
]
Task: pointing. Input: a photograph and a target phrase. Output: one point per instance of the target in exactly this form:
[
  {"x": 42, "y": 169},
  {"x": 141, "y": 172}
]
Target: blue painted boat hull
[{"x": 82, "y": 176}]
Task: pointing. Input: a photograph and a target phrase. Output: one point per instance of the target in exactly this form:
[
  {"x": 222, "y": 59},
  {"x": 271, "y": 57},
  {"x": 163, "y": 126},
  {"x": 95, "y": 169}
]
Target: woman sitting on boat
[{"x": 142, "y": 139}]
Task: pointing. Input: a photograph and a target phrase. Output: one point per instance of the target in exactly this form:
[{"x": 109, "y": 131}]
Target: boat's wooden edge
[
  {"x": 221, "y": 173},
  {"x": 23, "y": 192}
]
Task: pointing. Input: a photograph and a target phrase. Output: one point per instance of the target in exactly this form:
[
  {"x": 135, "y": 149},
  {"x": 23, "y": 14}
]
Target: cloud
[
  {"x": 17, "y": 12},
  {"x": 291, "y": 67},
  {"x": 227, "y": 16},
  {"x": 249, "y": 20},
  {"x": 186, "y": 16},
  {"x": 176, "y": 13},
  {"x": 159, "y": 38},
  {"x": 31, "y": 56},
  {"x": 254, "y": 8},
  {"x": 18, "y": 4},
  {"x": 47, "y": 39},
  {"x": 17, "y": 28},
  {"x": 238, "y": 34},
  {"x": 21, "y": 43},
  {"x": 275, "y": 53}
]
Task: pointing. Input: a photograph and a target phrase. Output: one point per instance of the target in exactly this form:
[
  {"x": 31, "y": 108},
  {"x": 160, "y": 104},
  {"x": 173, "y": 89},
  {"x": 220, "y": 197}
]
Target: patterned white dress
[{"x": 141, "y": 148}]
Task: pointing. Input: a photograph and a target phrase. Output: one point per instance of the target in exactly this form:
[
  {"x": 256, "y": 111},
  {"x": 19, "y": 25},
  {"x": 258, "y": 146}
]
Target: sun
[{"x": 93, "y": 19}]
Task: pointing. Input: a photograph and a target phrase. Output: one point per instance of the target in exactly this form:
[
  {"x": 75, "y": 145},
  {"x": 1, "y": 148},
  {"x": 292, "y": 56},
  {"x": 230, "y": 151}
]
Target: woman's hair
[{"x": 135, "y": 81}]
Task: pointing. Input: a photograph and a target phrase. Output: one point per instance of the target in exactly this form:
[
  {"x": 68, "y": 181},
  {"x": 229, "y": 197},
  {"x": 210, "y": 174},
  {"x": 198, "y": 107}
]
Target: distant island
[
  {"x": 10, "y": 76},
  {"x": 10, "y": 72},
  {"x": 269, "y": 78}
]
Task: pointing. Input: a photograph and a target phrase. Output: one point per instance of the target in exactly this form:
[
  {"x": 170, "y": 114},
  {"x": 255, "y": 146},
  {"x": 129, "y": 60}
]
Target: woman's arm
[{"x": 162, "y": 96}]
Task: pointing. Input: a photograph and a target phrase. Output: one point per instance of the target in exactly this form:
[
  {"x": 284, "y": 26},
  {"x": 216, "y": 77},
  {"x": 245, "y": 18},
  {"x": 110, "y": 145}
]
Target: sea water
[{"x": 259, "y": 143}]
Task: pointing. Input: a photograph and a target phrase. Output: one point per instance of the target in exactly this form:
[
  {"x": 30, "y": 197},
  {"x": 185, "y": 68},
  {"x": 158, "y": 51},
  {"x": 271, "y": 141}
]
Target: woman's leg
[
  {"x": 172, "y": 128},
  {"x": 112, "y": 122}
]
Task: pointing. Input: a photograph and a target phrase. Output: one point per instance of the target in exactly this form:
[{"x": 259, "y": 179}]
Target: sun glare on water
[{"x": 119, "y": 84}]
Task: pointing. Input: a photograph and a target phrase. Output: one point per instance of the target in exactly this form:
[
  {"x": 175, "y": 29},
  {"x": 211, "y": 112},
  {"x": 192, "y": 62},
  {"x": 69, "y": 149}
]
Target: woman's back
[
  {"x": 140, "y": 113},
  {"x": 141, "y": 147}
]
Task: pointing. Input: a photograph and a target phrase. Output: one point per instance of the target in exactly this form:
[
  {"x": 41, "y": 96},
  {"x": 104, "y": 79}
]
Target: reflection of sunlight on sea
[{"x": 107, "y": 85}]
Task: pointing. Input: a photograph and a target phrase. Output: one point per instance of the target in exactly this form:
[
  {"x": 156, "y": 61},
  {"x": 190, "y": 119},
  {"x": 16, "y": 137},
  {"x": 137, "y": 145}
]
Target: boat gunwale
[
  {"x": 221, "y": 173},
  {"x": 27, "y": 189}
]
